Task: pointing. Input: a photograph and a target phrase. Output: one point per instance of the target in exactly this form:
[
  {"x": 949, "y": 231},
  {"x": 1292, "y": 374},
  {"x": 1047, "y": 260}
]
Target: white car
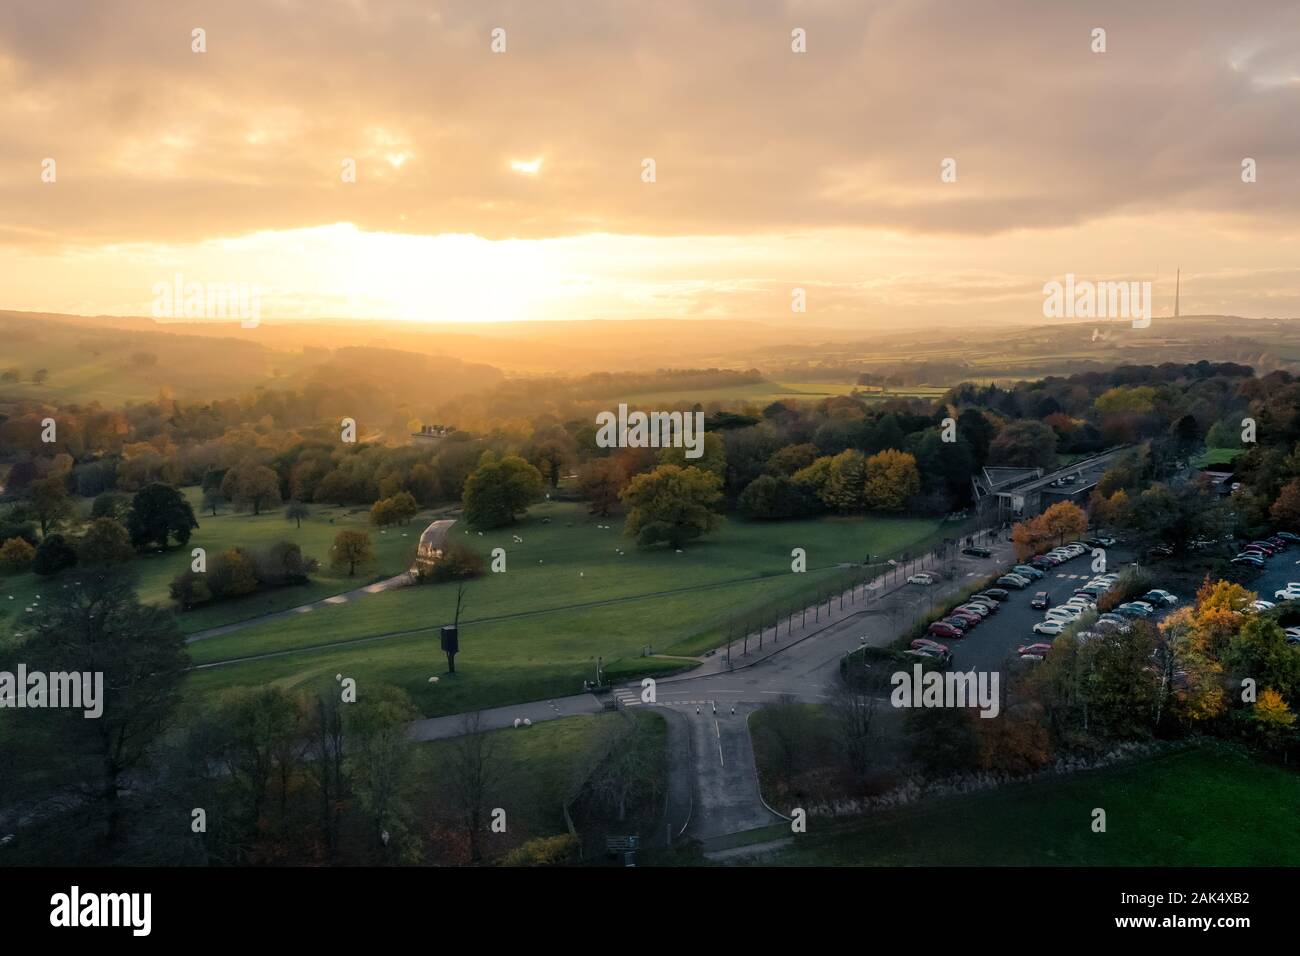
[
  {"x": 1050, "y": 628},
  {"x": 1262, "y": 605},
  {"x": 1166, "y": 596},
  {"x": 922, "y": 578},
  {"x": 1289, "y": 593},
  {"x": 1065, "y": 615}
]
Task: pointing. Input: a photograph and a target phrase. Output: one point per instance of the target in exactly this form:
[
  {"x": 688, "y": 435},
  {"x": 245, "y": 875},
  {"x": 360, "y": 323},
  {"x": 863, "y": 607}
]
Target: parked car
[
  {"x": 1134, "y": 610},
  {"x": 1059, "y": 613},
  {"x": 996, "y": 593},
  {"x": 1293, "y": 635},
  {"x": 1157, "y": 597},
  {"x": 1248, "y": 560},
  {"x": 1042, "y": 647},
  {"x": 1040, "y": 600},
  {"x": 1050, "y": 628},
  {"x": 982, "y": 610},
  {"x": 1289, "y": 593},
  {"x": 1289, "y": 536},
  {"x": 1262, "y": 605},
  {"x": 977, "y": 552},
  {"x": 923, "y": 577},
  {"x": 940, "y": 629},
  {"x": 926, "y": 642},
  {"x": 928, "y": 653},
  {"x": 1160, "y": 551},
  {"x": 1013, "y": 581},
  {"x": 1028, "y": 571}
]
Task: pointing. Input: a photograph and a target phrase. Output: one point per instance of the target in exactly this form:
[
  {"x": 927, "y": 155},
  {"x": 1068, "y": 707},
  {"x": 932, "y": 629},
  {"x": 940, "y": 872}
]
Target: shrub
[
  {"x": 544, "y": 851},
  {"x": 53, "y": 555},
  {"x": 459, "y": 562},
  {"x": 16, "y": 556}
]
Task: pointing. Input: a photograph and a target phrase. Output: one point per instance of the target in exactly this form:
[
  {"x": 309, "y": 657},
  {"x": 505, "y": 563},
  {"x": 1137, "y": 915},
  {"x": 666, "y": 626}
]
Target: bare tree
[
  {"x": 472, "y": 772},
  {"x": 629, "y": 772},
  {"x": 327, "y": 768},
  {"x": 854, "y": 711}
]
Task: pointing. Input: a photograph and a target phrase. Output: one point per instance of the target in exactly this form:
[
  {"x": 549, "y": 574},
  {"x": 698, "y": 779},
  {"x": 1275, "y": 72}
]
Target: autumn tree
[
  {"x": 50, "y": 503},
  {"x": 891, "y": 479},
  {"x": 1025, "y": 444},
  {"x": 600, "y": 481},
  {"x": 1285, "y": 511},
  {"x": 106, "y": 541},
  {"x": 671, "y": 505},
  {"x": 1063, "y": 521},
  {"x": 252, "y": 484},
  {"x": 351, "y": 550}
]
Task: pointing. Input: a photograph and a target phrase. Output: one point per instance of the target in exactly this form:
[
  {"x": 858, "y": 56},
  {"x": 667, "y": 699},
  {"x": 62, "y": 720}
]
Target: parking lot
[{"x": 995, "y": 640}]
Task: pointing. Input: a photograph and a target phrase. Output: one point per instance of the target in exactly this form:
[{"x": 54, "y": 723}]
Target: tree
[
  {"x": 458, "y": 562},
  {"x": 252, "y": 484},
  {"x": 630, "y": 771},
  {"x": 1273, "y": 719},
  {"x": 212, "y": 498},
  {"x": 713, "y": 456},
  {"x": 498, "y": 491},
  {"x": 328, "y": 769},
  {"x": 892, "y": 478},
  {"x": 41, "y": 376},
  {"x": 600, "y": 481},
  {"x": 671, "y": 504},
  {"x": 777, "y": 496},
  {"x": 106, "y": 541},
  {"x": 98, "y": 625},
  {"x": 256, "y": 736},
  {"x": 471, "y": 772},
  {"x": 49, "y": 502},
  {"x": 53, "y": 555},
  {"x": 398, "y": 509},
  {"x": 379, "y": 759},
  {"x": 160, "y": 512},
  {"x": 1064, "y": 520},
  {"x": 1285, "y": 511},
  {"x": 111, "y": 504},
  {"x": 296, "y": 512},
  {"x": 16, "y": 556},
  {"x": 351, "y": 550},
  {"x": 853, "y": 711},
  {"x": 792, "y": 458},
  {"x": 1024, "y": 444}
]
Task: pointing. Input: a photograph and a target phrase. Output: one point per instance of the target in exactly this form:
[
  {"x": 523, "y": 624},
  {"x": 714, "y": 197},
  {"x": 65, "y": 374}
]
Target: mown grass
[
  {"x": 1204, "y": 806},
  {"x": 568, "y": 597},
  {"x": 393, "y": 548}
]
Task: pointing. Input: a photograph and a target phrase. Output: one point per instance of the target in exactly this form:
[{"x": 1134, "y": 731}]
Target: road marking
[{"x": 718, "y": 731}]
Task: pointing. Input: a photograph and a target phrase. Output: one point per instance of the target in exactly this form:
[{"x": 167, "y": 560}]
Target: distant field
[
  {"x": 1185, "y": 809},
  {"x": 765, "y": 392},
  {"x": 567, "y": 598}
]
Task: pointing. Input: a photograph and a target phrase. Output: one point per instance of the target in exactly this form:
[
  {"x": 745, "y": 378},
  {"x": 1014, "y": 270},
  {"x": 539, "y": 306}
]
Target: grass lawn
[
  {"x": 535, "y": 770},
  {"x": 394, "y": 548},
  {"x": 1204, "y": 806},
  {"x": 566, "y": 598},
  {"x": 1215, "y": 456}
]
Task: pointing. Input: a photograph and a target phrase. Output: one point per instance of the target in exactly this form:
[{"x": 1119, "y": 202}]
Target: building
[
  {"x": 1012, "y": 494},
  {"x": 433, "y": 542},
  {"x": 431, "y": 434}
]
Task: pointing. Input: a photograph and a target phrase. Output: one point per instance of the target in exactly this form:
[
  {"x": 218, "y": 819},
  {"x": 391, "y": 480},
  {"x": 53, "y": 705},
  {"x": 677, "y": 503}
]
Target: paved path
[
  {"x": 398, "y": 581},
  {"x": 713, "y": 702}
]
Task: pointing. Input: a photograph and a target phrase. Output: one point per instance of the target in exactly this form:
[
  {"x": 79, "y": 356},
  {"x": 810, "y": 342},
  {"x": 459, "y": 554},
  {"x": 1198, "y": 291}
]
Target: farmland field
[{"x": 766, "y": 392}]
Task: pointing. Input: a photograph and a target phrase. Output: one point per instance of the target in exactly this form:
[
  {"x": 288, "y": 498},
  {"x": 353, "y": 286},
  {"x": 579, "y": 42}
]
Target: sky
[{"x": 511, "y": 183}]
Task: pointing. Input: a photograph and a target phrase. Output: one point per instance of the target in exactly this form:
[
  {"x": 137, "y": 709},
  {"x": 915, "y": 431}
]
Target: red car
[
  {"x": 940, "y": 629},
  {"x": 921, "y": 642},
  {"x": 1039, "y": 648}
]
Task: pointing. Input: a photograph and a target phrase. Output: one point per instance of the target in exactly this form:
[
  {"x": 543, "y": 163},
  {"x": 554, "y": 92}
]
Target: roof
[{"x": 435, "y": 536}]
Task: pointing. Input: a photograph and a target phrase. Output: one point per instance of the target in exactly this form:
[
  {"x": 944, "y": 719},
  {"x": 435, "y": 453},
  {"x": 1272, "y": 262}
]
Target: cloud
[{"x": 156, "y": 143}]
